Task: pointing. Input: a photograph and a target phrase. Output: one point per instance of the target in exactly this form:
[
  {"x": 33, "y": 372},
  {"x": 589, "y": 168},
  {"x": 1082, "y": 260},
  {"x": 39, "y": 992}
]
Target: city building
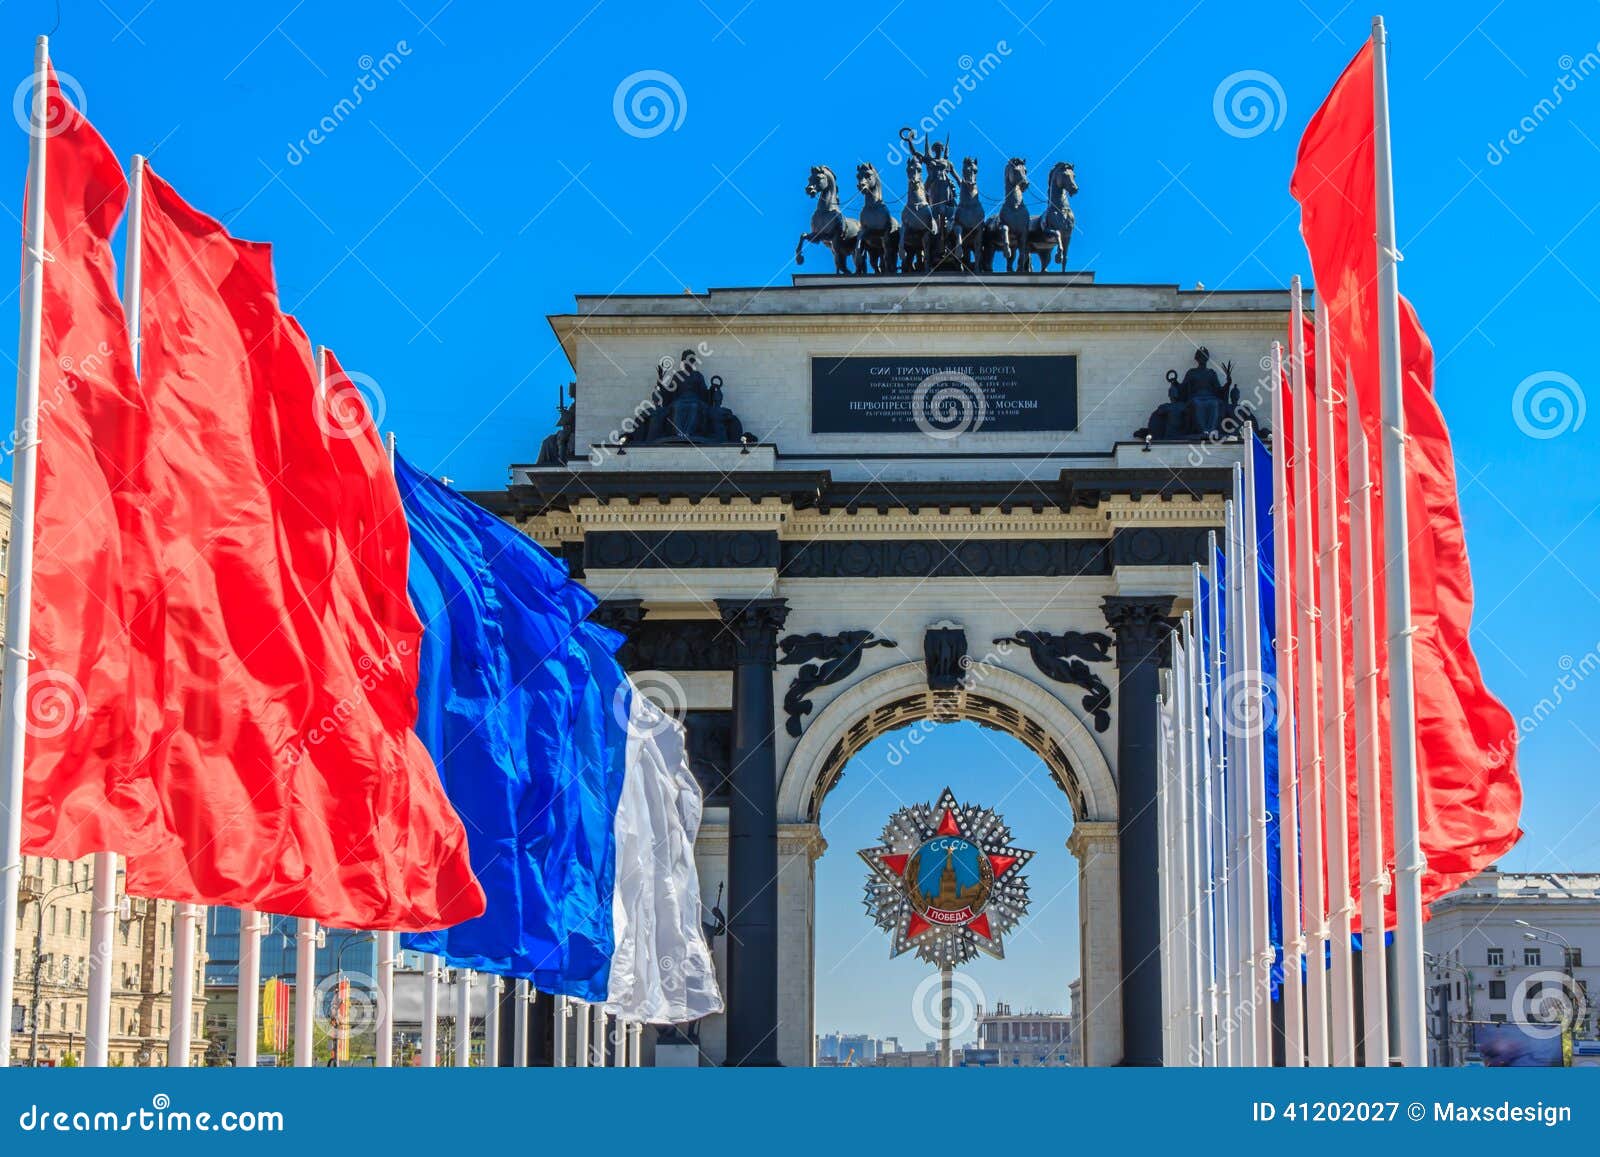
[
  {"x": 1522, "y": 947},
  {"x": 51, "y": 999},
  {"x": 341, "y": 952},
  {"x": 848, "y": 1049},
  {"x": 1027, "y": 1039}
]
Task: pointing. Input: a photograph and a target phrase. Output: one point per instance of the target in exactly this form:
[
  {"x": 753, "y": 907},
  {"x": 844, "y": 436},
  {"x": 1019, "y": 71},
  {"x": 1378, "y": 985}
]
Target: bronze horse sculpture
[
  {"x": 829, "y": 226},
  {"x": 977, "y": 238},
  {"x": 879, "y": 243},
  {"x": 1046, "y": 235},
  {"x": 920, "y": 240}
]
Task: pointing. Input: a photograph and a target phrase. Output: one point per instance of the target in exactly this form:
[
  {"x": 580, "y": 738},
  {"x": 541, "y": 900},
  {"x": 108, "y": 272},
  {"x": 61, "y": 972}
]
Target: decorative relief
[
  {"x": 1065, "y": 658},
  {"x": 681, "y": 645},
  {"x": 931, "y": 558},
  {"x": 822, "y": 659},
  {"x": 1159, "y": 545},
  {"x": 944, "y": 649},
  {"x": 680, "y": 549},
  {"x": 710, "y": 741}
]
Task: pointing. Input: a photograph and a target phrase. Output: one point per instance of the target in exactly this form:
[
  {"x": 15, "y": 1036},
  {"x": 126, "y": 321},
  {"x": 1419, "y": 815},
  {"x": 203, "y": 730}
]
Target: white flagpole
[
  {"x": 1308, "y": 749},
  {"x": 1166, "y": 771},
  {"x": 305, "y": 996},
  {"x": 491, "y": 1022},
  {"x": 1238, "y": 774},
  {"x": 1219, "y": 817},
  {"x": 580, "y": 1041},
  {"x": 249, "y": 1031},
  {"x": 561, "y": 1057},
  {"x": 1342, "y": 1037},
  {"x": 1184, "y": 938},
  {"x": 463, "y": 1018},
  {"x": 388, "y": 947},
  {"x": 1194, "y": 828},
  {"x": 430, "y": 1010},
  {"x": 181, "y": 1030},
  {"x": 1206, "y": 850},
  {"x": 1294, "y": 1050},
  {"x": 1369, "y": 775},
  {"x": 1409, "y": 859},
  {"x": 19, "y": 581},
  {"x": 1256, "y": 742},
  {"x": 600, "y": 1032},
  {"x": 519, "y": 1025}
]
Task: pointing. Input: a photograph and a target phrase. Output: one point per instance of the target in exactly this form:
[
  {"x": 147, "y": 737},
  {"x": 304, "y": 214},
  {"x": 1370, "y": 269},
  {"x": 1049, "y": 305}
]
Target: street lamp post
[
  {"x": 339, "y": 1025},
  {"x": 42, "y": 900}
]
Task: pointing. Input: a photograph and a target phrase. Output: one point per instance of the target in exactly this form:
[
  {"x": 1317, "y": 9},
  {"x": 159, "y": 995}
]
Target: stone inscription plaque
[{"x": 944, "y": 397}]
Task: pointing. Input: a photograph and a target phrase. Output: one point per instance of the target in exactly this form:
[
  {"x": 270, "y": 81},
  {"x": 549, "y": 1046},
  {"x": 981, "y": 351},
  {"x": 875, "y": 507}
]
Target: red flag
[
  {"x": 288, "y": 770},
  {"x": 93, "y": 686},
  {"x": 1469, "y": 793}
]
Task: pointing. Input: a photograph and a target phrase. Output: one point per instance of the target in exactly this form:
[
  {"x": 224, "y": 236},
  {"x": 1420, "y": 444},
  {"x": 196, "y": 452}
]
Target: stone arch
[{"x": 899, "y": 696}]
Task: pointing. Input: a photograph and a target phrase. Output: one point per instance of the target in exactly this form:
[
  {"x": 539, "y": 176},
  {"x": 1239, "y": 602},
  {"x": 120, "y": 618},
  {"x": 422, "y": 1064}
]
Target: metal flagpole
[
  {"x": 1409, "y": 859},
  {"x": 562, "y": 1057},
  {"x": 430, "y": 1010},
  {"x": 1330, "y": 609},
  {"x": 1166, "y": 867},
  {"x": 636, "y": 1048},
  {"x": 305, "y": 997},
  {"x": 947, "y": 976},
  {"x": 249, "y": 988},
  {"x": 1223, "y": 898},
  {"x": 1294, "y": 1050},
  {"x": 491, "y": 1022},
  {"x": 1308, "y": 751},
  {"x": 1242, "y": 772},
  {"x": 1184, "y": 882},
  {"x": 182, "y": 1009},
  {"x": 580, "y": 1035},
  {"x": 1199, "y": 890},
  {"x": 1369, "y": 776},
  {"x": 463, "y": 1019},
  {"x": 1256, "y": 743},
  {"x": 601, "y": 1032},
  {"x": 521, "y": 995},
  {"x": 103, "y": 903},
  {"x": 388, "y": 947},
  {"x": 19, "y": 581},
  {"x": 1204, "y": 771}
]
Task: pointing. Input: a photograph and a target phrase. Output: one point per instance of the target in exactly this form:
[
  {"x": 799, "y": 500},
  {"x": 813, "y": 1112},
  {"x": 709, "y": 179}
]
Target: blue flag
[{"x": 525, "y": 711}]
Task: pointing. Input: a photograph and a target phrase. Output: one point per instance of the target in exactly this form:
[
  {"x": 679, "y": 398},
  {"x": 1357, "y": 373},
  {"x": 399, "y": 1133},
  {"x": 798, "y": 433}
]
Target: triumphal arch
[{"x": 824, "y": 510}]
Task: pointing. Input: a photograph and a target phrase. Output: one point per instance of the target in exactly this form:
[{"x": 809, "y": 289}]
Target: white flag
[{"x": 661, "y": 969}]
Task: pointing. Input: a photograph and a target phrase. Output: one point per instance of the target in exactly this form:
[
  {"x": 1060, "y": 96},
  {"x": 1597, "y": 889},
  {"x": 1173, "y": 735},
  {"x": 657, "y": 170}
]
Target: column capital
[
  {"x": 755, "y": 624},
  {"x": 806, "y": 838},
  {"x": 619, "y": 614},
  {"x": 1142, "y": 623},
  {"x": 1092, "y": 837}
]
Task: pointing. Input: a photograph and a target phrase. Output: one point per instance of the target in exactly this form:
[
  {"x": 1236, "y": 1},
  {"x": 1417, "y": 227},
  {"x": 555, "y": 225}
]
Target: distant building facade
[
  {"x": 1522, "y": 947},
  {"x": 1027, "y": 1039}
]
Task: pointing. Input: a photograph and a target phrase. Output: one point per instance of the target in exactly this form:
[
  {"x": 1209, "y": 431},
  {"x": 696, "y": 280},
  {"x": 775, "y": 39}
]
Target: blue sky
[{"x": 483, "y": 179}]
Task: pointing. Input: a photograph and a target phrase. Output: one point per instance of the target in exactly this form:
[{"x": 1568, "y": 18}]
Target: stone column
[
  {"x": 753, "y": 835},
  {"x": 1141, "y": 624},
  {"x": 1099, "y": 1004},
  {"x": 799, "y": 848}
]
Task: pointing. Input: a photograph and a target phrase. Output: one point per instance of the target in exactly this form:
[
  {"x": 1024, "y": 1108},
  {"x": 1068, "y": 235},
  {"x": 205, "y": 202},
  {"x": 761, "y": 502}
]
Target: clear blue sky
[{"x": 485, "y": 179}]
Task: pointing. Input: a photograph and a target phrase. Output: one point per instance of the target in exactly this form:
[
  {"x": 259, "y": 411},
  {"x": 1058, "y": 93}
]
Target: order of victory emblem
[{"x": 946, "y": 881}]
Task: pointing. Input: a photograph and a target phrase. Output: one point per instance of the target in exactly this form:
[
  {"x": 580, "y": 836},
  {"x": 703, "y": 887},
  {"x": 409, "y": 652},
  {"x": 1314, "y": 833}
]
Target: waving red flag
[
  {"x": 1469, "y": 793},
  {"x": 93, "y": 698},
  {"x": 288, "y": 770}
]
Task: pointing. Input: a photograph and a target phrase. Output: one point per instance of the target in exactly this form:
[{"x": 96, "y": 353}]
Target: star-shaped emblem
[{"x": 946, "y": 881}]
